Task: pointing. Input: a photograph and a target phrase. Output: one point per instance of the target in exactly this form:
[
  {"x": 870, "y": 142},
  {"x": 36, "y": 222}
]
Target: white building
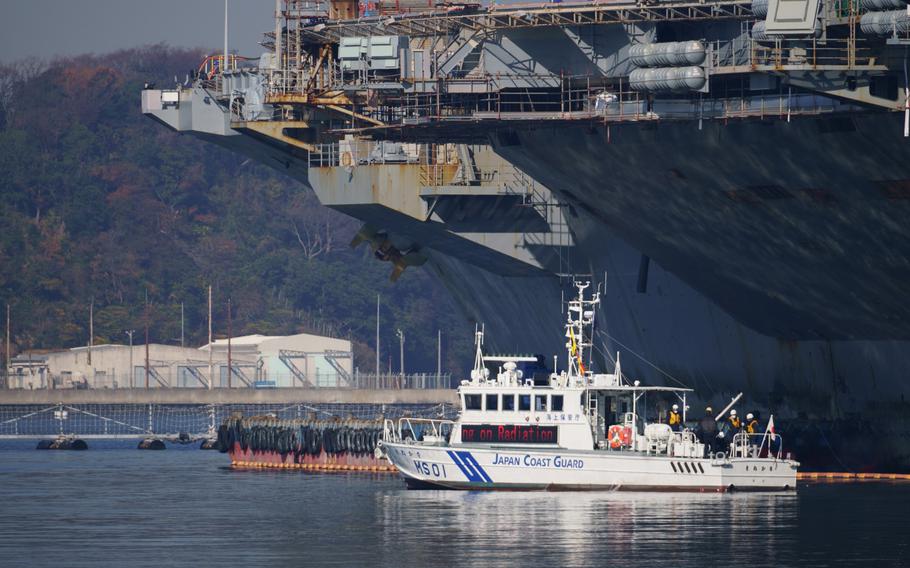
[
  {"x": 301, "y": 360},
  {"x": 109, "y": 367}
]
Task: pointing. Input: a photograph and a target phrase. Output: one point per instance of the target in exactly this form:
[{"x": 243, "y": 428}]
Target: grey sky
[{"x": 45, "y": 28}]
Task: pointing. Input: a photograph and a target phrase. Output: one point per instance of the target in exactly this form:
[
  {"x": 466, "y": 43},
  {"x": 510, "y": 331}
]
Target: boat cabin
[{"x": 585, "y": 412}]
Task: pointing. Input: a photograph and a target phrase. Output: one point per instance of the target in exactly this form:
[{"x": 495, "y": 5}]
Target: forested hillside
[{"x": 102, "y": 204}]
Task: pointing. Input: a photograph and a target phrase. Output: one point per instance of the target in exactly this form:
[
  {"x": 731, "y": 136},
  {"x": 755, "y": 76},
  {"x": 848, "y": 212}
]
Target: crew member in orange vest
[
  {"x": 735, "y": 423},
  {"x": 674, "y": 419}
]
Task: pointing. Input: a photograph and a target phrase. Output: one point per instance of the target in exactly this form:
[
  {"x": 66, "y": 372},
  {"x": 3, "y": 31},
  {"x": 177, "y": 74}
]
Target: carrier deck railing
[{"x": 526, "y": 16}]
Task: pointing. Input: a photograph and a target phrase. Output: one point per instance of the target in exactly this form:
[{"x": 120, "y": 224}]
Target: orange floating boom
[{"x": 847, "y": 476}]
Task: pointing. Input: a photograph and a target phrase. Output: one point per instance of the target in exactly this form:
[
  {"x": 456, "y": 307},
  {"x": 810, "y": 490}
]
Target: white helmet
[
  {"x": 749, "y": 416},
  {"x": 675, "y": 407},
  {"x": 733, "y": 412}
]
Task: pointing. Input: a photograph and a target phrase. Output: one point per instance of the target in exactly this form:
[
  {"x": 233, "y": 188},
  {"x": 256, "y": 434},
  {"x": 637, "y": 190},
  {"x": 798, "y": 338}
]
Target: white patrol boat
[{"x": 580, "y": 431}]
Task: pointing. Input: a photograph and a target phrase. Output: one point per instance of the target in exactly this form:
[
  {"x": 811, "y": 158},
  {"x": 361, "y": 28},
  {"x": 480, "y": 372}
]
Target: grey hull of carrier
[{"x": 738, "y": 176}]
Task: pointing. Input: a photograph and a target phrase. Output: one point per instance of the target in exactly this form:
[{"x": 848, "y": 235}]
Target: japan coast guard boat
[{"x": 581, "y": 431}]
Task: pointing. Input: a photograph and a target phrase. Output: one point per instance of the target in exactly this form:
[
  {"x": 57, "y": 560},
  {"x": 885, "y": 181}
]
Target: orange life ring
[{"x": 615, "y": 435}]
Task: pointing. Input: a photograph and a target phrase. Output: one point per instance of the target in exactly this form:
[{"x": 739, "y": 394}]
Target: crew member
[
  {"x": 735, "y": 423},
  {"x": 751, "y": 424},
  {"x": 707, "y": 429},
  {"x": 675, "y": 419}
]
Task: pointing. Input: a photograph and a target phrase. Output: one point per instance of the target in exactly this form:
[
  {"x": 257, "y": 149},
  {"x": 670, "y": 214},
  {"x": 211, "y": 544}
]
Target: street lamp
[
  {"x": 400, "y": 335},
  {"x": 130, "y": 332}
]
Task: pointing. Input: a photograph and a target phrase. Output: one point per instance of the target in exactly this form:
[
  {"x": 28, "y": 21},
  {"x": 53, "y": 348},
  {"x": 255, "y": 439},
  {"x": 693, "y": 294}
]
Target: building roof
[
  {"x": 99, "y": 347},
  {"x": 256, "y": 340},
  {"x": 114, "y": 346}
]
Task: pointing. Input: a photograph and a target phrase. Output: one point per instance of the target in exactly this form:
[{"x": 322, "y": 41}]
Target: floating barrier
[
  {"x": 305, "y": 444},
  {"x": 325, "y": 468},
  {"x": 182, "y": 438},
  {"x": 151, "y": 444},
  {"x": 62, "y": 444},
  {"x": 847, "y": 476}
]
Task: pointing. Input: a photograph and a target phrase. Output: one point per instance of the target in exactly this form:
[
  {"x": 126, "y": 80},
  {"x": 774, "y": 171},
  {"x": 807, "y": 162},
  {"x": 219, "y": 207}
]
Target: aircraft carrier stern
[{"x": 737, "y": 171}]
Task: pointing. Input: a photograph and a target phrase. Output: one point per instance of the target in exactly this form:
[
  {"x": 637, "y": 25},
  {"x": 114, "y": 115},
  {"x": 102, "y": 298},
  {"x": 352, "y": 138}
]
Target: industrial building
[
  {"x": 301, "y": 360},
  {"x": 260, "y": 361}
]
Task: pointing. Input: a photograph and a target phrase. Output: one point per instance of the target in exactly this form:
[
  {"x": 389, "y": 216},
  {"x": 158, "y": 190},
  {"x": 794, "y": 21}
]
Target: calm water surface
[{"x": 117, "y": 506}]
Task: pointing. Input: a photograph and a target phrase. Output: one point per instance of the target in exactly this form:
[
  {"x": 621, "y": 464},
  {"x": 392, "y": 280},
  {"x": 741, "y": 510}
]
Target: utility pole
[
  {"x": 230, "y": 333},
  {"x": 91, "y": 333},
  {"x": 181, "y": 325},
  {"x": 130, "y": 332},
  {"x": 146, "y": 339},
  {"x": 211, "y": 346},
  {"x": 401, "y": 349},
  {"x": 225, "y": 37},
  {"x": 8, "y": 359},
  {"x": 377, "y": 336}
]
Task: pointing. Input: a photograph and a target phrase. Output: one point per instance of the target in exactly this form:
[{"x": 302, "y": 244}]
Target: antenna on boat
[
  {"x": 479, "y": 372},
  {"x": 580, "y": 317}
]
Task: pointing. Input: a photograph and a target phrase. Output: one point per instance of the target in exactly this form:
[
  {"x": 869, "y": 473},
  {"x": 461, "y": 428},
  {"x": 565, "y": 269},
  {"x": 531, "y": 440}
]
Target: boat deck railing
[
  {"x": 416, "y": 430},
  {"x": 764, "y": 445}
]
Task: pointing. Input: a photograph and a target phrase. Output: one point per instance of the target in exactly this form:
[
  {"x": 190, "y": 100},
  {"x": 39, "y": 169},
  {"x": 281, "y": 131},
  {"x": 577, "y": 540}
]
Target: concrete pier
[{"x": 229, "y": 396}]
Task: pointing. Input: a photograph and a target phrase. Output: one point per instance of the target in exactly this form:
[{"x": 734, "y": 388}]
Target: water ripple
[{"x": 113, "y": 506}]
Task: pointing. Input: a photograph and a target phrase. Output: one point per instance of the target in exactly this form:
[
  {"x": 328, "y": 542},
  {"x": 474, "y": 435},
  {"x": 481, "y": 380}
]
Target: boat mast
[
  {"x": 580, "y": 316},
  {"x": 478, "y": 372}
]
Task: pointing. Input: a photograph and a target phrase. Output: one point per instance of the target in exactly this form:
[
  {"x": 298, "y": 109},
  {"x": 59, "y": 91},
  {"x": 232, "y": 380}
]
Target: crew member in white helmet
[
  {"x": 735, "y": 423},
  {"x": 751, "y": 424},
  {"x": 674, "y": 419}
]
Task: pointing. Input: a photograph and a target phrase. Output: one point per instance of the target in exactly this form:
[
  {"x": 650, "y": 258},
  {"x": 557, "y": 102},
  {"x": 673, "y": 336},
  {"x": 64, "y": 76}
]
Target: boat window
[
  {"x": 508, "y": 402},
  {"x": 556, "y": 403},
  {"x": 540, "y": 403},
  {"x": 524, "y": 402},
  {"x": 472, "y": 402},
  {"x": 492, "y": 402}
]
